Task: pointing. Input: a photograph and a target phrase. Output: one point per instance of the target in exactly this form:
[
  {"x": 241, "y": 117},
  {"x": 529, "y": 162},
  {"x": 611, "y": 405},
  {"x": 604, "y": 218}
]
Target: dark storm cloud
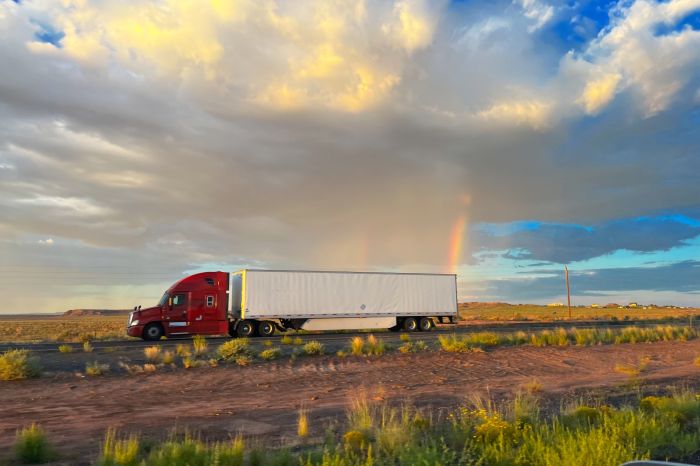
[
  {"x": 681, "y": 277},
  {"x": 570, "y": 243}
]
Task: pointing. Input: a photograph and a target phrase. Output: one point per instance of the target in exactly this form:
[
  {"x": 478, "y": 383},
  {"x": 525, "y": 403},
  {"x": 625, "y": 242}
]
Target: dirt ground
[{"x": 262, "y": 400}]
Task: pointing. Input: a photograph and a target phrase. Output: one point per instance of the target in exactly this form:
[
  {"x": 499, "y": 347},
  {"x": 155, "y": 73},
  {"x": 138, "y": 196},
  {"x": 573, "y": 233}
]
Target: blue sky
[{"x": 499, "y": 140}]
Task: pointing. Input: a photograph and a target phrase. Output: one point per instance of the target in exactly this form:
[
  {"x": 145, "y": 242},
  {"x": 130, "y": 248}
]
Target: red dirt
[{"x": 263, "y": 400}]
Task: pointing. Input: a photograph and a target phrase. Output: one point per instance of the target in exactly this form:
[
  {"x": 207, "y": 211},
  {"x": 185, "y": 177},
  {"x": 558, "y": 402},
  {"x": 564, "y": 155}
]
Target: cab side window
[
  {"x": 210, "y": 301},
  {"x": 179, "y": 300}
]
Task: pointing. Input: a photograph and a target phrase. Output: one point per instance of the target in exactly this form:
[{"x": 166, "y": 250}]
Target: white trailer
[{"x": 261, "y": 301}]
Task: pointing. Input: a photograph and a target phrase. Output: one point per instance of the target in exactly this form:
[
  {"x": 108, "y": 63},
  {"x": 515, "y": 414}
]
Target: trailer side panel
[{"x": 301, "y": 294}]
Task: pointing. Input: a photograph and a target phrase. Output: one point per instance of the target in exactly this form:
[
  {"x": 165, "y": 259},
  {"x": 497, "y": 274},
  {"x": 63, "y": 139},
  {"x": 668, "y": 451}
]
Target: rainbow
[{"x": 457, "y": 236}]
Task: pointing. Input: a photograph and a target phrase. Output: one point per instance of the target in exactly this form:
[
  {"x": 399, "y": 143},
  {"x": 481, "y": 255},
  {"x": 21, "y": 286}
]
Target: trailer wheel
[
  {"x": 245, "y": 329},
  {"x": 152, "y": 332},
  {"x": 410, "y": 324},
  {"x": 425, "y": 324},
  {"x": 266, "y": 328}
]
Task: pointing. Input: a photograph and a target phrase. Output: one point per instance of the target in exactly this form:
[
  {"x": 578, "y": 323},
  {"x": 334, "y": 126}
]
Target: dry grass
[
  {"x": 533, "y": 386},
  {"x": 697, "y": 361},
  {"x": 503, "y": 311},
  {"x": 63, "y": 329},
  {"x": 95, "y": 368},
  {"x": 87, "y": 347}
]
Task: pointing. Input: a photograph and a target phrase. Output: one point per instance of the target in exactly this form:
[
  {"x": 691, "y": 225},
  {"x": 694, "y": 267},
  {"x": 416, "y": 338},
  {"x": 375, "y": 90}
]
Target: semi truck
[{"x": 254, "y": 302}]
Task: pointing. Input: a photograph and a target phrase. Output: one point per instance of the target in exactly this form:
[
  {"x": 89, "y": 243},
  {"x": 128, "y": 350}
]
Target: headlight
[{"x": 134, "y": 322}]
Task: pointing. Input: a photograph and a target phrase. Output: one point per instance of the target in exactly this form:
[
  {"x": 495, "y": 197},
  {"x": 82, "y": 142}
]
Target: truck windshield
[{"x": 164, "y": 300}]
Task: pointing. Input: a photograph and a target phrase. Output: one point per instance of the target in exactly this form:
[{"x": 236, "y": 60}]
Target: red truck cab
[{"x": 197, "y": 304}]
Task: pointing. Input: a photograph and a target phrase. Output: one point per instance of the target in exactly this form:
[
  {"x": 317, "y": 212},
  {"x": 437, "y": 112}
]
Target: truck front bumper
[{"x": 135, "y": 331}]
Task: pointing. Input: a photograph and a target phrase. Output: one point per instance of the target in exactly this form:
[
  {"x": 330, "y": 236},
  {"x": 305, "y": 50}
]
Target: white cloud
[
  {"x": 630, "y": 54},
  {"x": 540, "y": 13}
]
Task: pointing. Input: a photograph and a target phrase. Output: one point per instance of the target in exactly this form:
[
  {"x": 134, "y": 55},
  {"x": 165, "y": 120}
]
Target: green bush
[
  {"x": 18, "y": 364},
  {"x": 32, "y": 446}
]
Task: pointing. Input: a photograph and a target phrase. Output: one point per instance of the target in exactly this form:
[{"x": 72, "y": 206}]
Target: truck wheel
[
  {"x": 245, "y": 329},
  {"x": 425, "y": 324},
  {"x": 410, "y": 324},
  {"x": 266, "y": 328},
  {"x": 152, "y": 332}
]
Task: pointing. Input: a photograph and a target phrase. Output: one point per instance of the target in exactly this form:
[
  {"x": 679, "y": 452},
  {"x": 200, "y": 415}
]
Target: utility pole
[{"x": 568, "y": 290}]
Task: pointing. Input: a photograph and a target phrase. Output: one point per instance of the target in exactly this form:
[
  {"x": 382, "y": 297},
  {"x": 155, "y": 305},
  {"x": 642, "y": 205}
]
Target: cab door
[
  {"x": 176, "y": 314},
  {"x": 204, "y": 315}
]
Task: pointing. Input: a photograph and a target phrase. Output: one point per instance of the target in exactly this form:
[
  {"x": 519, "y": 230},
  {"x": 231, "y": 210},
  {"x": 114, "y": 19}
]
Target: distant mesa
[{"x": 96, "y": 312}]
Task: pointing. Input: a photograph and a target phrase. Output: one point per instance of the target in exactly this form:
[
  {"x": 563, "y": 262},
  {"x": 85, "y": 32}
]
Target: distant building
[
  {"x": 613, "y": 306},
  {"x": 595, "y": 305},
  {"x": 633, "y": 305},
  {"x": 555, "y": 305}
]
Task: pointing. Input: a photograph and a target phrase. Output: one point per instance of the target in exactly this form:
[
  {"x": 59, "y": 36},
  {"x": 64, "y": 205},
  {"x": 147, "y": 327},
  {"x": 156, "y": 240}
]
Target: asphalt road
[{"x": 344, "y": 337}]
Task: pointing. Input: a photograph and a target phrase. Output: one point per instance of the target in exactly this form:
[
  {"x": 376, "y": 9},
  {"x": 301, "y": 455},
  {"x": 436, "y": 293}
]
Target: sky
[{"x": 499, "y": 140}]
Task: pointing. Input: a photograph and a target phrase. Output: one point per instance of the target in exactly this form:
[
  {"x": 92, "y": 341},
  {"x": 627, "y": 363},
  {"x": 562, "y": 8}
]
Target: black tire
[
  {"x": 409, "y": 324},
  {"x": 266, "y": 328},
  {"x": 152, "y": 332},
  {"x": 245, "y": 329},
  {"x": 425, "y": 324}
]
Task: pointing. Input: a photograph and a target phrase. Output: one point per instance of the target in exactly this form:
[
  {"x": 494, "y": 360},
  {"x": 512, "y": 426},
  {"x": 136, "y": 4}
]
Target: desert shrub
[
  {"x": 18, "y": 364},
  {"x": 454, "y": 344},
  {"x": 119, "y": 451},
  {"x": 314, "y": 348},
  {"x": 697, "y": 361},
  {"x": 298, "y": 341},
  {"x": 405, "y": 337},
  {"x": 413, "y": 346},
  {"x": 65, "y": 349},
  {"x": 370, "y": 346},
  {"x": 303, "y": 424},
  {"x": 287, "y": 340},
  {"x": 199, "y": 344},
  {"x": 149, "y": 367},
  {"x": 152, "y": 353},
  {"x": 32, "y": 446},
  {"x": 191, "y": 451},
  {"x": 232, "y": 349},
  {"x": 533, "y": 386},
  {"x": 95, "y": 368},
  {"x": 270, "y": 353},
  {"x": 168, "y": 357},
  {"x": 87, "y": 346},
  {"x": 189, "y": 362},
  {"x": 182, "y": 350}
]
